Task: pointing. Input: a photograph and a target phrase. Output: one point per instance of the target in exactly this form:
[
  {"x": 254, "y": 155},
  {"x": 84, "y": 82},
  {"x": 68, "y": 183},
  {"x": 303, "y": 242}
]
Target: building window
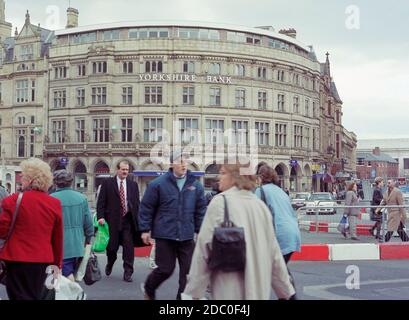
[
  {"x": 152, "y": 129},
  {"x": 21, "y": 143},
  {"x": 360, "y": 162},
  {"x": 189, "y": 95},
  {"x": 281, "y": 135},
  {"x": 80, "y": 97},
  {"x": 296, "y": 79},
  {"x": 127, "y": 67},
  {"x": 25, "y": 91},
  {"x": 188, "y": 130},
  {"x": 100, "y": 129},
  {"x": 99, "y": 67},
  {"x": 214, "y": 131},
  {"x": 126, "y": 130},
  {"x": 280, "y": 75},
  {"x": 31, "y": 147},
  {"x": 144, "y": 33},
  {"x": 214, "y": 68},
  {"x": 314, "y": 140},
  {"x": 314, "y": 109},
  {"x": 153, "y": 66},
  {"x": 298, "y": 136},
  {"x": 32, "y": 120},
  {"x": 307, "y": 138},
  {"x": 337, "y": 145},
  {"x": 127, "y": 95},
  {"x": 188, "y": 67},
  {"x": 240, "y": 70},
  {"x": 60, "y": 72},
  {"x": 80, "y": 130},
  {"x": 280, "y": 102},
  {"x": 307, "y": 108},
  {"x": 215, "y": 96},
  {"x": 296, "y": 105},
  {"x": 153, "y": 95},
  {"x": 111, "y": 35},
  {"x": 83, "y": 38},
  {"x": 21, "y": 120},
  {"x": 240, "y": 132},
  {"x": 240, "y": 101},
  {"x": 58, "y": 131},
  {"x": 82, "y": 70},
  {"x": 313, "y": 84},
  {"x": 99, "y": 96},
  {"x": 27, "y": 52},
  {"x": 405, "y": 163},
  {"x": 329, "y": 108},
  {"x": 338, "y": 117},
  {"x": 262, "y": 100},
  {"x": 60, "y": 99},
  {"x": 262, "y": 73},
  {"x": 262, "y": 133}
]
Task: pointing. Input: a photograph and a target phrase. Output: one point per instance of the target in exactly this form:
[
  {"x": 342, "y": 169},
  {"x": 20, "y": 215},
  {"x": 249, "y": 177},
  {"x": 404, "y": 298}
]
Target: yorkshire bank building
[{"x": 91, "y": 96}]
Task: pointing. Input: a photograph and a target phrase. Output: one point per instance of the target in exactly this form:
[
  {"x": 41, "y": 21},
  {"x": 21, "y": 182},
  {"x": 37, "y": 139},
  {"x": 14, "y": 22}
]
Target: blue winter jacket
[
  {"x": 169, "y": 213},
  {"x": 284, "y": 218}
]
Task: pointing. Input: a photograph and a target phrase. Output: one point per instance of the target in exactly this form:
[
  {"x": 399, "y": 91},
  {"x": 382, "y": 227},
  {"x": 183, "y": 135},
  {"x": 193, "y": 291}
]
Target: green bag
[{"x": 101, "y": 237}]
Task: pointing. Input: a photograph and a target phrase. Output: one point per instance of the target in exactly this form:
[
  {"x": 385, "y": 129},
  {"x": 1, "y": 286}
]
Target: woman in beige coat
[
  {"x": 396, "y": 216},
  {"x": 265, "y": 266}
]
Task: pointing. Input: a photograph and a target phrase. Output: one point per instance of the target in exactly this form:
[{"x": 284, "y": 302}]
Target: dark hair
[
  {"x": 215, "y": 186},
  {"x": 124, "y": 162},
  {"x": 268, "y": 175},
  {"x": 262, "y": 163}
]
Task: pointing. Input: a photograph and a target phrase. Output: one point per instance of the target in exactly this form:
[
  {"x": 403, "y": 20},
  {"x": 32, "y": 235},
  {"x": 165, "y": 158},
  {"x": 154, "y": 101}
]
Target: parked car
[
  {"x": 321, "y": 199},
  {"x": 299, "y": 199}
]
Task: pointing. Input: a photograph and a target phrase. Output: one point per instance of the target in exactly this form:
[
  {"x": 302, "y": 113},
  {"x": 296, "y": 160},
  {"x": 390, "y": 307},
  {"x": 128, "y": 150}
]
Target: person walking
[
  {"x": 171, "y": 212},
  {"x": 37, "y": 238},
  {"x": 265, "y": 266},
  {"x": 377, "y": 198},
  {"x": 118, "y": 205},
  {"x": 77, "y": 222},
  {"x": 284, "y": 219},
  {"x": 351, "y": 199},
  {"x": 396, "y": 216}
]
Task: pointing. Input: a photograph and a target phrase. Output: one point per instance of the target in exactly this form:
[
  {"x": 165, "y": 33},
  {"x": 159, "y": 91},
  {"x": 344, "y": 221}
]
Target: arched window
[
  {"x": 80, "y": 177},
  {"x": 21, "y": 147},
  {"x": 101, "y": 172},
  {"x": 147, "y": 66}
]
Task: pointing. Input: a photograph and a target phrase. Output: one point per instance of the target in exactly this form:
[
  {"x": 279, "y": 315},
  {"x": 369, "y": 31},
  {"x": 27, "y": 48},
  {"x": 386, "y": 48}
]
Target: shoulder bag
[
  {"x": 3, "y": 270},
  {"x": 228, "y": 252}
]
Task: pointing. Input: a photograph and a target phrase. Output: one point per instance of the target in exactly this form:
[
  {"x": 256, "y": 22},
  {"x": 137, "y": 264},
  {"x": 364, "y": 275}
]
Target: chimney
[
  {"x": 289, "y": 32},
  {"x": 376, "y": 151},
  {"x": 72, "y": 18}
]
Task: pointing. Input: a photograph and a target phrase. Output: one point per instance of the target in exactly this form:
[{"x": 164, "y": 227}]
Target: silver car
[
  {"x": 299, "y": 199},
  {"x": 321, "y": 199}
]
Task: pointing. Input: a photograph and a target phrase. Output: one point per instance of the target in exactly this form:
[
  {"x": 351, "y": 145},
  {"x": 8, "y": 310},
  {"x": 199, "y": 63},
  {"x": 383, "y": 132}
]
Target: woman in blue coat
[{"x": 284, "y": 218}]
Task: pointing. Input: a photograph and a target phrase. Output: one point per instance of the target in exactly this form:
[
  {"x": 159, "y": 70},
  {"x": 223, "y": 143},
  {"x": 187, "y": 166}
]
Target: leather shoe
[
  {"x": 128, "y": 277},
  {"x": 108, "y": 269}
]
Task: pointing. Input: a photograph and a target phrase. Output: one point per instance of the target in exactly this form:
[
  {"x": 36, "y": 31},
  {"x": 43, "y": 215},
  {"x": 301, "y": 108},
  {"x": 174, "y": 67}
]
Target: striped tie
[{"x": 122, "y": 195}]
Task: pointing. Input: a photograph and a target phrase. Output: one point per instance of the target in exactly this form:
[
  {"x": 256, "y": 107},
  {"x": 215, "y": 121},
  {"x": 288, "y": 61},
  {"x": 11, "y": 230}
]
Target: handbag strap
[
  {"x": 13, "y": 221},
  {"x": 226, "y": 223}
]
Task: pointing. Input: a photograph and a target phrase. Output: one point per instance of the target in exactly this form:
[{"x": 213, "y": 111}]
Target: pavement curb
[
  {"x": 363, "y": 229},
  {"x": 337, "y": 252}
]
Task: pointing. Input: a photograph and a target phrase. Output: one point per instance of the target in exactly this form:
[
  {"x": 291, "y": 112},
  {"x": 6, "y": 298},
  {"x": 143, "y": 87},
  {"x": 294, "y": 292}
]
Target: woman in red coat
[{"x": 37, "y": 239}]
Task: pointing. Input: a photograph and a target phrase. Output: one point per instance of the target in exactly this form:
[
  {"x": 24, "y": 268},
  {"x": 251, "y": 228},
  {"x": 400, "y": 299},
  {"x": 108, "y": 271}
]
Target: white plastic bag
[
  {"x": 69, "y": 290},
  {"x": 83, "y": 265}
]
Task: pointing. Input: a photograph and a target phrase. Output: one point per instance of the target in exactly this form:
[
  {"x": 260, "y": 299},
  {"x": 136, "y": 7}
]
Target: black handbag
[
  {"x": 228, "y": 252},
  {"x": 3, "y": 269},
  {"x": 92, "y": 271}
]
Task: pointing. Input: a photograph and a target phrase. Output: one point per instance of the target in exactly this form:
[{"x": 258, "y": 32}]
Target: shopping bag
[
  {"x": 343, "y": 224},
  {"x": 69, "y": 290},
  {"x": 101, "y": 237},
  {"x": 83, "y": 265},
  {"x": 92, "y": 272}
]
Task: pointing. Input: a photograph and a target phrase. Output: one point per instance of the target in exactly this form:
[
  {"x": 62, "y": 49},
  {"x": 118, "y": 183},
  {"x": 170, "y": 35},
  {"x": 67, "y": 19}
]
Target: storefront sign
[{"x": 176, "y": 77}]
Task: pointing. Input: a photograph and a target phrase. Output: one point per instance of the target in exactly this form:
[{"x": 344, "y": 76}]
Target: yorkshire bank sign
[{"x": 177, "y": 77}]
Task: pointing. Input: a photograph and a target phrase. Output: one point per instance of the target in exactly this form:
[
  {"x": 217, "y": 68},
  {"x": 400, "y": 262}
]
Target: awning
[
  {"x": 143, "y": 173},
  {"x": 327, "y": 178}
]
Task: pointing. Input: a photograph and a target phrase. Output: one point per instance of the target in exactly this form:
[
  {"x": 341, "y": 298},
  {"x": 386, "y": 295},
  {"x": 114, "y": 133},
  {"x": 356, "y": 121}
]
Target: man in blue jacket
[{"x": 171, "y": 212}]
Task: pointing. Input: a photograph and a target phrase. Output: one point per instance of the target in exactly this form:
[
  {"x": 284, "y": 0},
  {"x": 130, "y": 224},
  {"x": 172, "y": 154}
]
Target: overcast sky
[{"x": 368, "y": 42}]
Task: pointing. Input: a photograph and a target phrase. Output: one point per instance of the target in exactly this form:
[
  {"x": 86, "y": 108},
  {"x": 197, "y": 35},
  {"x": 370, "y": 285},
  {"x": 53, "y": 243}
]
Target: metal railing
[{"x": 316, "y": 212}]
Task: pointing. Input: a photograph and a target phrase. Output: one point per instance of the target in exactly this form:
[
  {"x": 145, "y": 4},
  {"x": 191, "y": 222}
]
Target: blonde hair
[
  {"x": 38, "y": 172},
  {"x": 241, "y": 181}
]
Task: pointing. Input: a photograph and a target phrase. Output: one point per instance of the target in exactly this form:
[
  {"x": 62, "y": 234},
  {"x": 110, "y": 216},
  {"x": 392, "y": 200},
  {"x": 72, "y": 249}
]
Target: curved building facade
[{"x": 116, "y": 91}]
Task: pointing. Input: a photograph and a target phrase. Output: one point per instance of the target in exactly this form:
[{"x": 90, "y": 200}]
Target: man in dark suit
[{"x": 118, "y": 205}]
